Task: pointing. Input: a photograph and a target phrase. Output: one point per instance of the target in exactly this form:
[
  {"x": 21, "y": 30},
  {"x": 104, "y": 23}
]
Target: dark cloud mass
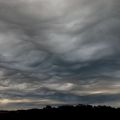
[{"x": 58, "y": 52}]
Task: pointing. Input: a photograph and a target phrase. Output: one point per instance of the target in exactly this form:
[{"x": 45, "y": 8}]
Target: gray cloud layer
[{"x": 59, "y": 51}]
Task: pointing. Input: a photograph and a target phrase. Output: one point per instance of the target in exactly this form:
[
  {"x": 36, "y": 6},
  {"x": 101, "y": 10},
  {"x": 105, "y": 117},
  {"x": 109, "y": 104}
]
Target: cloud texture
[{"x": 58, "y": 52}]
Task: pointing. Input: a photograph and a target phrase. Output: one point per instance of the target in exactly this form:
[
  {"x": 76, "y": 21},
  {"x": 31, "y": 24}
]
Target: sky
[{"x": 56, "y": 52}]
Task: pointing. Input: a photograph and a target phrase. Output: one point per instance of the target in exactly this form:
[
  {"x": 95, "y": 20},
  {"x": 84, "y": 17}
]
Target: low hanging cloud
[{"x": 60, "y": 51}]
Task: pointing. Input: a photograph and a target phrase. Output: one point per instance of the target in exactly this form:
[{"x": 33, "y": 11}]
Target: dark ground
[{"x": 62, "y": 112}]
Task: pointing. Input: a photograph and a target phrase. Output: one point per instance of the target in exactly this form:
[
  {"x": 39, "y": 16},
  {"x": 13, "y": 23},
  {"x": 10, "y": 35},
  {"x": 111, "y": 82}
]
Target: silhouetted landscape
[{"x": 78, "y": 111}]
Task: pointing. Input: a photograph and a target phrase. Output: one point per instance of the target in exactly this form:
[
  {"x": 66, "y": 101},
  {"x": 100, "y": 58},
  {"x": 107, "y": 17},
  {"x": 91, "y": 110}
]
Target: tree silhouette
[{"x": 77, "y": 111}]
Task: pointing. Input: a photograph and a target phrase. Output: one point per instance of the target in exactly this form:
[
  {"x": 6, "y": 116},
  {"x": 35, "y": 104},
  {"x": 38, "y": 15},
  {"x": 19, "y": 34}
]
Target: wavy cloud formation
[{"x": 59, "y": 51}]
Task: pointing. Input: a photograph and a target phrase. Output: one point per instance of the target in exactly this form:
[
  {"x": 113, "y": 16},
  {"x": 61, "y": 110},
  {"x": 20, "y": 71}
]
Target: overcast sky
[{"x": 59, "y": 52}]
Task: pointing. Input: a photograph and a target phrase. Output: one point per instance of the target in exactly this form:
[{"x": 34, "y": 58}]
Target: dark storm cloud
[{"x": 59, "y": 51}]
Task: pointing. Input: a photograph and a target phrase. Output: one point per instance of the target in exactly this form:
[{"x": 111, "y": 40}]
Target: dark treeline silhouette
[{"x": 78, "y": 111}]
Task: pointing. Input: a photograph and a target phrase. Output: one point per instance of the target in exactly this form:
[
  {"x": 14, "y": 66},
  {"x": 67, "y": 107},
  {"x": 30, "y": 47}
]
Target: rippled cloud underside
[{"x": 59, "y": 52}]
